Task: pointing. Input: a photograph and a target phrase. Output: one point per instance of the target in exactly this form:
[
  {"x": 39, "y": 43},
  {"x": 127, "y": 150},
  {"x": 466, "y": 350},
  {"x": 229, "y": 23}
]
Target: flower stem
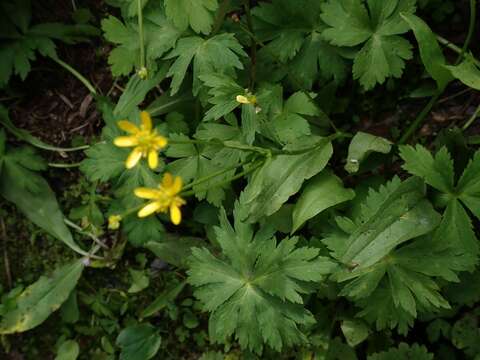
[
  {"x": 215, "y": 174},
  {"x": 456, "y": 49},
  {"x": 75, "y": 73},
  {"x": 63, "y": 166},
  {"x": 226, "y": 144},
  {"x": 471, "y": 28},
  {"x": 140, "y": 34},
  {"x": 229, "y": 180}
]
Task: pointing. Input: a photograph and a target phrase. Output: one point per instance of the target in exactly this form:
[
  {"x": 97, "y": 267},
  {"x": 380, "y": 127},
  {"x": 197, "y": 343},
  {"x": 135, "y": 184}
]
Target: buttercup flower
[
  {"x": 114, "y": 222},
  {"x": 163, "y": 199},
  {"x": 144, "y": 140}
]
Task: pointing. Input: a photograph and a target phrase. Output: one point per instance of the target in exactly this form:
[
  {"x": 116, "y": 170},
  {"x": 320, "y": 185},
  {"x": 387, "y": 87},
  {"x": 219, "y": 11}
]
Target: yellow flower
[
  {"x": 164, "y": 199},
  {"x": 145, "y": 141},
  {"x": 114, "y": 222}
]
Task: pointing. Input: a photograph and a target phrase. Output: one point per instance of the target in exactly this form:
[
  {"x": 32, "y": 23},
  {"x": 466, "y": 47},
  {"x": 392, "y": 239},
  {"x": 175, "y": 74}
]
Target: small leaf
[
  {"x": 322, "y": 192},
  {"x": 163, "y": 300},
  {"x": 174, "y": 250},
  {"x": 140, "y": 281},
  {"x": 282, "y": 176},
  {"x": 355, "y": 331},
  {"x": 68, "y": 350},
  {"x": 430, "y": 51},
  {"x": 40, "y": 299},
  {"x": 139, "y": 342},
  {"x": 361, "y": 146},
  {"x": 467, "y": 73}
]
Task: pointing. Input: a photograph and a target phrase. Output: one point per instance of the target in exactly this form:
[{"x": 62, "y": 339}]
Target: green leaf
[
  {"x": 42, "y": 298},
  {"x": 69, "y": 310},
  {"x": 430, "y": 51},
  {"x": 466, "y": 333},
  {"x": 383, "y": 52},
  {"x": 138, "y": 342},
  {"x": 292, "y": 33},
  {"x": 166, "y": 297},
  {"x": 198, "y": 14},
  {"x": 174, "y": 250},
  {"x": 136, "y": 91},
  {"x": 436, "y": 171},
  {"x": 219, "y": 54},
  {"x": 257, "y": 283},
  {"x": 140, "y": 281},
  {"x": 25, "y": 41},
  {"x": 104, "y": 162},
  {"x": 321, "y": 192},
  {"x": 142, "y": 231},
  {"x": 160, "y": 36},
  {"x": 32, "y": 194},
  {"x": 282, "y": 176},
  {"x": 223, "y": 92},
  {"x": 397, "y": 213},
  {"x": 361, "y": 146},
  {"x": 68, "y": 350},
  {"x": 196, "y": 162},
  {"x": 469, "y": 185},
  {"x": 456, "y": 229},
  {"x": 404, "y": 352},
  {"x": 467, "y": 73},
  {"x": 355, "y": 331}
]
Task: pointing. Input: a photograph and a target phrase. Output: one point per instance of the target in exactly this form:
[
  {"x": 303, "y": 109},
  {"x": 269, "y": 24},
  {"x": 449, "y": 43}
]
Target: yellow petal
[
  {"x": 146, "y": 193},
  {"x": 133, "y": 158},
  {"x": 149, "y": 209},
  {"x": 125, "y": 141},
  {"x": 153, "y": 159},
  {"x": 161, "y": 141},
  {"x": 128, "y": 126},
  {"x": 177, "y": 185},
  {"x": 175, "y": 214},
  {"x": 146, "y": 120},
  {"x": 167, "y": 181}
]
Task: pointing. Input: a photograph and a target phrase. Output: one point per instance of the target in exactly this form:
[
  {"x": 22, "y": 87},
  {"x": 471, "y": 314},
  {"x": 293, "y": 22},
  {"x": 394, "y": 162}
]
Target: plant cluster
[{"x": 227, "y": 157}]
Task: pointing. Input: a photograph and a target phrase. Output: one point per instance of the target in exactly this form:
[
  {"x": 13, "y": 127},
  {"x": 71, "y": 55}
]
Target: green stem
[
  {"x": 226, "y": 144},
  {"x": 418, "y": 121},
  {"x": 215, "y": 174},
  {"x": 75, "y": 73},
  {"x": 294, "y": 79},
  {"x": 140, "y": 34},
  {"x": 63, "y": 166},
  {"x": 229, "y": 180},
  {"x": 456, "y": 49},
  {"x": 253, "y": 45},
  {"x": 471, "y": 28},
  {"x": 221, "y": 13},
  {"x": 472, "y": 119},
  {"x": 86, "y": 233}
]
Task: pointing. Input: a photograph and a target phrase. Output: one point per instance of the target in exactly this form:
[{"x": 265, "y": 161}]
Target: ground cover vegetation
[{"x": 239, "y": 179}]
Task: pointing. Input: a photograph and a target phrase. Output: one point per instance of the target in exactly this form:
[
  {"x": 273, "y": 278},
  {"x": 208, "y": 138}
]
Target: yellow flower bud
[
  {"x": 114, "y": 222},
  {"x": 142, "y": 73}
]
